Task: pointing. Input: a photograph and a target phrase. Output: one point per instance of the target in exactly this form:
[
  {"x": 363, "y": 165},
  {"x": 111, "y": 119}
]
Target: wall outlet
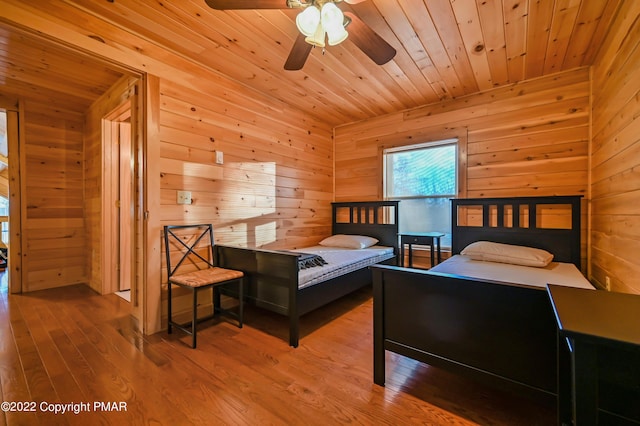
[
  {"x": 184, "y": 197},
  {"x": 607, "y": 283},
  {"x": 219, "y": 157}
]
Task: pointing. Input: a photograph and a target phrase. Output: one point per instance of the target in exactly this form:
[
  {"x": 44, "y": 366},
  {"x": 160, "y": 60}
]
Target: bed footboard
[
  {"x": 271, "y": 282},
  {"x": 499, "y": 333},
  {"x": 272, "y": 276}
]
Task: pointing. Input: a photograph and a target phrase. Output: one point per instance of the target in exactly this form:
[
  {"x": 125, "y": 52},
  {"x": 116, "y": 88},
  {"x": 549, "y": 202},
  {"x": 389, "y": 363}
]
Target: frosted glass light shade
[
  {"x": 318, "y": 37},
  {"x": 336, "y": 36},
  {"x": 331, "y": 16},
  {"x": 308, "y": 20}
]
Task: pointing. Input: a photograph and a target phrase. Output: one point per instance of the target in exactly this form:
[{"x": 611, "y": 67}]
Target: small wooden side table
[{"x": 431, "y": 239}]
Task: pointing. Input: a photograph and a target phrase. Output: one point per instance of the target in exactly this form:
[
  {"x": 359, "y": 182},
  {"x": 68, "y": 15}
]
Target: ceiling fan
[{"x": 314, "y": 21}]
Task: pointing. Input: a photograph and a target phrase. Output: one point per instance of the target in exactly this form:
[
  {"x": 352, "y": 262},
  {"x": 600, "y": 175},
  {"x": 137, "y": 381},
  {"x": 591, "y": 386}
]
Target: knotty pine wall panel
[
  {"x": 526, "y": 139},
  {"x": 54, "y": 236},
  {"x": 273, "y": 189},
  {"x": 615, "y": 180},
  {"x": 276, "y": 183}
]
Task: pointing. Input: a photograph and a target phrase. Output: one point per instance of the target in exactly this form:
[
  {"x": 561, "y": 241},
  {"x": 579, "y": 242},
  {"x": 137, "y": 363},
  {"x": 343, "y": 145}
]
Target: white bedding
[
  {"x": 339, "y": 262},
  {"x": 565, "y": 274}
]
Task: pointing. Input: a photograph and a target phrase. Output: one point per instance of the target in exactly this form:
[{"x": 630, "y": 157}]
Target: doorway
[
  {"x": 4, "y": 192},
  {"x": 67, "y": 205},
  {"x": 10, "y": 176},
  {"x": 118, "y": 217}
]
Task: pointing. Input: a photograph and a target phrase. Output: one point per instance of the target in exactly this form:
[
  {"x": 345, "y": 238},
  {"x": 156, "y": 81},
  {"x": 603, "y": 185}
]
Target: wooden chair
[{"x": 192, "y": 247}]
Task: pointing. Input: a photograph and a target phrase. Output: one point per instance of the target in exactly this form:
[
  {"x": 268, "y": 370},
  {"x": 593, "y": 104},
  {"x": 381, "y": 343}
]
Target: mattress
[
  {"x": 565, "y": 274},
  {"x": 340, "y": 261}
]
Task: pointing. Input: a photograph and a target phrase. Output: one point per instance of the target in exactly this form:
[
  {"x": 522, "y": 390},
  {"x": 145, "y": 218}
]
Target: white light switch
[
  {"x": 184, "y": 197},
  {"x": 219, "y": 157}
]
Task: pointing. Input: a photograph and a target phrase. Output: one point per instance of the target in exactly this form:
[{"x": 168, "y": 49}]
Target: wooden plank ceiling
[
  {"x": 37, "y": 70},
  {"x": 445, "y": 49}
]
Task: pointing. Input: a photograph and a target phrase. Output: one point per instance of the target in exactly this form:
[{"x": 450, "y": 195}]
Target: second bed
[{"x": 465, "y": 316}]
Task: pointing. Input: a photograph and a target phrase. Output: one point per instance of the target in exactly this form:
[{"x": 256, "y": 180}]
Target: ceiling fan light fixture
[
  {"x": 308, "y": 21},
  {"x": 315, "y": 28}
]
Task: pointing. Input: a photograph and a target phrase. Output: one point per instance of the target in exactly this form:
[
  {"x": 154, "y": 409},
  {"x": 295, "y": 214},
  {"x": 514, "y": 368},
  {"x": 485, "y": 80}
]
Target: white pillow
[
  {"x": 348, "y": 241},
  {"x": 507, "y": 253}
]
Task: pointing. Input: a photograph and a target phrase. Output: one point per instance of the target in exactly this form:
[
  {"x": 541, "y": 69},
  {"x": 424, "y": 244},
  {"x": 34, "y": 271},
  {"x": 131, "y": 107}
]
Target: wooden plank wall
[
  {"x": 274, "y": 187},
  {"x": 615, "y": 177},
  {"x": 526, "y": 139},
  {"x": 53, "y": 229}
]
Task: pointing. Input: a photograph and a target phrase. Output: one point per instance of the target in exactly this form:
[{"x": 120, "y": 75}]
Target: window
[{"x": 424, "y": 178}]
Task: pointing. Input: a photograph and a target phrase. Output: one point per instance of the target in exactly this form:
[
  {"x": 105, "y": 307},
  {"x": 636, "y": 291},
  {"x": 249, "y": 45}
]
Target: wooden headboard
[
  {"x": 378, "y": 219},
  {"x": 550, "y": 223}
]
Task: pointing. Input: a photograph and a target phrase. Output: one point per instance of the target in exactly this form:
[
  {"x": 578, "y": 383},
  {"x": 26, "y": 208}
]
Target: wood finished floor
[{"x": 71, "y": 345}]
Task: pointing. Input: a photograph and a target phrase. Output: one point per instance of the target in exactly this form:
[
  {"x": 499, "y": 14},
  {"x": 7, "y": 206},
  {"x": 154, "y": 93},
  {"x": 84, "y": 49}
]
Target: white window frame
[{"x": 415, "y": 147}]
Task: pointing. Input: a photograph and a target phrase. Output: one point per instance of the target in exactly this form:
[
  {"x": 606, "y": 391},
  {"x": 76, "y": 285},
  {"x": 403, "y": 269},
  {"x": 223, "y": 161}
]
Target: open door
[
  {"x": 125, "y": 211},
  {"x": 118, "y": 214}
]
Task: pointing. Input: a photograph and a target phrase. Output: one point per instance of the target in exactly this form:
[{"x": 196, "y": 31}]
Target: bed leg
[
  {"x": 378, "y": 328},
  {"x": 293, "y": 338},
  {"x": 294, "y": 331},
  {"x": 564, "y": 400},
  {"x": 378, "y": 368}
]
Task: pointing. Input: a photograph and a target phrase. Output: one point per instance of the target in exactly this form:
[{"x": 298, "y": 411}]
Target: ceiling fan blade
[
  {"x": 247, "y": 4},
  {"x": 369, "y": 41},
  {"x": 298, "y": 55}
]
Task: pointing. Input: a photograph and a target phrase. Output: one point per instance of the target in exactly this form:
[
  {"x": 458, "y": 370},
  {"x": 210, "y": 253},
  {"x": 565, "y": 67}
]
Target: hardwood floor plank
[
  {"x": 13, "y": 384},
  {"x": 43, "y": 327},
  {"x": 37, "y": 379},
  {"x": 123, "y": 373},
  {"x": 190, "y": 376},
  {"x": 72, "y": 345}
]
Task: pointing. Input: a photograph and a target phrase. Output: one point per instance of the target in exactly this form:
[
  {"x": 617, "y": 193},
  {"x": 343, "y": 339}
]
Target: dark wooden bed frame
[
  {"x": 504, "y": 334},
  {"x": 272, "y": 276}
]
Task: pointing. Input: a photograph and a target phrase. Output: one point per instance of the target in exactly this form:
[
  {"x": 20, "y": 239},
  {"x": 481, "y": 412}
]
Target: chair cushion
[{"x": 205, "y": 277}]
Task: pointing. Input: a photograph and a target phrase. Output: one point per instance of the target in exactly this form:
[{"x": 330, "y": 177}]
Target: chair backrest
[{"x": 188, "y": 245}]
